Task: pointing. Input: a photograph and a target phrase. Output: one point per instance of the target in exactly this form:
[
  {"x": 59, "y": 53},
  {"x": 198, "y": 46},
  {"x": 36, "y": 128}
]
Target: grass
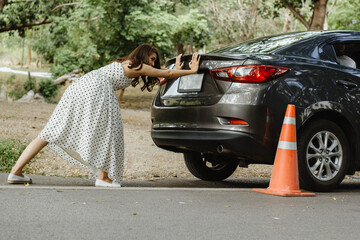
[{"x": 10, "y": 151}]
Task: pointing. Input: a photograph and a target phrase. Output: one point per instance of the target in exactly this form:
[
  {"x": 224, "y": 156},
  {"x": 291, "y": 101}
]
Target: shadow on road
[
  {"x": 347, "y": 185},
  {"x": 196, "y": 183}
]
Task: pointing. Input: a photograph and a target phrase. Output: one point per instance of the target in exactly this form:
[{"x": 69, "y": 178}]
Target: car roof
[
  {"x": 309, "y": 47},
  {"x": 282, "y": 43}
]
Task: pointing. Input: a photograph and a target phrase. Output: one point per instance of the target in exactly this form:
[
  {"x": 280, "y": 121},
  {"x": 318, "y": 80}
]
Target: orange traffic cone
[{"x": 284, "y": 178}]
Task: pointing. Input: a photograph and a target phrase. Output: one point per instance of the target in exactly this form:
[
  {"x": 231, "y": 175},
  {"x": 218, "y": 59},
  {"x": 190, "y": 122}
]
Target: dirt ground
[{"x": 143, "y": 160}]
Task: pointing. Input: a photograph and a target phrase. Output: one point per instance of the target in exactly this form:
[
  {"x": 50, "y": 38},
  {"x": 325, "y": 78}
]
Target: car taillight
[
  {"x": 238, "y": 122},
  {"x": 248, "y": 73}
]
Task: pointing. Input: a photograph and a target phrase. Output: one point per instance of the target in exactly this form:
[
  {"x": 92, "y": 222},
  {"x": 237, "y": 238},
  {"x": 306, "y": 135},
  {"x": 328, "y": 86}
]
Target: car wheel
[
  {"x": 208, "y": 167},
  {"x": 323, "y": 156}
]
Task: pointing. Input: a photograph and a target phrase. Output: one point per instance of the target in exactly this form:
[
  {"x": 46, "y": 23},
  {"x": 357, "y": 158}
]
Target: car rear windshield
[{"x": 265, "y": 44}]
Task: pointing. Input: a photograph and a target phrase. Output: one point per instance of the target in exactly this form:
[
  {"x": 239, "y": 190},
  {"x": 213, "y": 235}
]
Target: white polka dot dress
[{"x": 86, "y": 127}]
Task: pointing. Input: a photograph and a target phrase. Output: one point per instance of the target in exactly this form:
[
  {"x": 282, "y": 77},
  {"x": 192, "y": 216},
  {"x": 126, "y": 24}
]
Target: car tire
[
  {"x": 208, "y": 167},
  {"x": 323, "y": 155}
]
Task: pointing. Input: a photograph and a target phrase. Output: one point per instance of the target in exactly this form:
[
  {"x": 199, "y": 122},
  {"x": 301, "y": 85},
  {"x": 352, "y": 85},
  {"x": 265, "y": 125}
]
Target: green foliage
[
  {"x": 346, "y": 16},
  {"x": 143, "y": 27},
  {"x": 235, "y": 21},
  {"x": 311, "y": 14},
  {"x": 43, "y": 43},
  {"x": 48, "y": 89},
  {"x": 9, "y": 43},
  {"x": 298, "y": 5},
  {"x": 66, "y": 61},
  {"x": 30, "y": 84},
  {"x": 87, "y": 34},
  {"x": 17, "y": 91},
  {"x": 17, "y": 13},
  {"x": 10, "y": 151},
  {"x": 99, "y": 31},
  {"x": 10, "y": 79},
  {"x": 191, "y": 28}
]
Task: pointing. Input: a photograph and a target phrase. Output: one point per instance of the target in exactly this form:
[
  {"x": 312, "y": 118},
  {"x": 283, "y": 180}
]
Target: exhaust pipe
[{"x": 220, "y": 149}]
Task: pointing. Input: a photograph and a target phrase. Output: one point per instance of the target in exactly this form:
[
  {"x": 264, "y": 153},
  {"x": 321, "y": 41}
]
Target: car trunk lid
[{"x": 200, "y": 88}]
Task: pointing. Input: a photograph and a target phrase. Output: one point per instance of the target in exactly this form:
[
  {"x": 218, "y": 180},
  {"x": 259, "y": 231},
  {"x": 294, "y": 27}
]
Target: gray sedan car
[{"x": 230, "y": 113}]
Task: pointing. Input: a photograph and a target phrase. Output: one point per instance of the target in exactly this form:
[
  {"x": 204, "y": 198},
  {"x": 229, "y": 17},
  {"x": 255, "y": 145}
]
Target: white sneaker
[
  {"x": 18, "y": 179},
  {"x": 101, "y": 183}
]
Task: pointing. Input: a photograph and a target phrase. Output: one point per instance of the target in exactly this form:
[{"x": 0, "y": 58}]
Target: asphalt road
[{"x": 66, "y": 208}]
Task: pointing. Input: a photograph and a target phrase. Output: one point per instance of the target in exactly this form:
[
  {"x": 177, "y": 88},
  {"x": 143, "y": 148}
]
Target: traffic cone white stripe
[
  {"x": 287, "y": 145},
  {"x": 289, "y": 120}
]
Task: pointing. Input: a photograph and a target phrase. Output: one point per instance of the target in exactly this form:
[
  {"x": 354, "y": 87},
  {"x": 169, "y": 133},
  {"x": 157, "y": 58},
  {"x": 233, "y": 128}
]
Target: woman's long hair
[{"x": 137, "y": 58}]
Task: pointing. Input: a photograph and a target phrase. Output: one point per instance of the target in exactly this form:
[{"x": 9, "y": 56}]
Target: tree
[
  {"x": 98, "y": 31},
  {"x": 315, "y": 20},
  {"x": 2, "y": 4},
  {"x": 19, "y": 15},
  {"x": 190, "y": 29},
  {"x": 346, "y": 15},
  {"x": 91, "y": 35},
  {"x": 240, "y": 20},
  {"x": 237, "y": 19}
]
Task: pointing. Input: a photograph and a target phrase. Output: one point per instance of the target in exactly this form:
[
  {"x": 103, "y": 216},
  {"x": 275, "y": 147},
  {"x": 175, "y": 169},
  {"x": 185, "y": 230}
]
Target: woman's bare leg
[
  {"x": 30, "y": 151},
  {"x": 104, "y": 176}
]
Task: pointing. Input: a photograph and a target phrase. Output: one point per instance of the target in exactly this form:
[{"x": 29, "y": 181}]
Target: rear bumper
[{"x": 235, "y": 144}]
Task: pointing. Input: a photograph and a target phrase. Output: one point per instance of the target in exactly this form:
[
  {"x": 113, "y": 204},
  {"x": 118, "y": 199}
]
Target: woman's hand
[
  {"x": 194, "y": 63},
  {"x": 178, "y": 64},
  {"x": 150, "y": 71}
]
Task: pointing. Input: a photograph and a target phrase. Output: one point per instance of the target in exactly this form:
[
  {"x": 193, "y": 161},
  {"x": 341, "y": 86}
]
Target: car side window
[
  {"x": 348, "y": 54},
  {"x": 327, "y": 52}
]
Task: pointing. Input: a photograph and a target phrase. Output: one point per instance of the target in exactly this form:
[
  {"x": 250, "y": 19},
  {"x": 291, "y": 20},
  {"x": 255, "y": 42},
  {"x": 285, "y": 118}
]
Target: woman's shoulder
[
  {"x": 111, "y": 65},
  {"x": 123, "y": 65}
]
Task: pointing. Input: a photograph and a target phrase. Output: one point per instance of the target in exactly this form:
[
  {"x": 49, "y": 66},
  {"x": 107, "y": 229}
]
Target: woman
[{"x": 86, "y": 128}]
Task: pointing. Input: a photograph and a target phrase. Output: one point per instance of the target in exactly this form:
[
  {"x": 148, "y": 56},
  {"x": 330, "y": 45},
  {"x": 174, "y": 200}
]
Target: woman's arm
[{"x": 149, "y": 71}]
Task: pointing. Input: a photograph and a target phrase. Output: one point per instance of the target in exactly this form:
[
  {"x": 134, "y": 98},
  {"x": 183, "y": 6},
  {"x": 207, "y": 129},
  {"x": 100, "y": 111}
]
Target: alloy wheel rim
[{"x": 324, "y": 155}]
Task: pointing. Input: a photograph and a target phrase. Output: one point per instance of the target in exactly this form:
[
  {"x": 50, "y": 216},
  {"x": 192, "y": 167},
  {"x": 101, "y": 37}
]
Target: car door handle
[{"x": 347, "y": 84}]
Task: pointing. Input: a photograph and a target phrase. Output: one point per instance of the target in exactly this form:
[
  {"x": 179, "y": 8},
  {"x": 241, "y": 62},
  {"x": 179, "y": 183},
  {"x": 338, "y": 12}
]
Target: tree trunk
[
  {"x": 319, "y": 14},
  {"x": 66, "y": 77},
  {"x": 326, "y": 24},
  {"x": 297, "y": 15},
  {"x": 38, "y": 60},
  {"x": 22, "y": 54},
  {"x": 188, "y": 49},
  {"x": 204, "y": 49},
  {"x": 38, "y": 55},
  {"x": 179, "y": 48},
  {"x": 29, "y": 54},
  {"x": 29, "y": 48},
  {"x": 2, "y": 4},
  {"x": 287, "y": 22}
]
